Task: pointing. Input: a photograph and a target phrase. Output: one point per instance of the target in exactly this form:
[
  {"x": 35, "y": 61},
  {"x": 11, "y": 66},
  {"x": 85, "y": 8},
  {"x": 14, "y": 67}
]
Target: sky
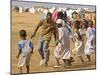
[{"x": 46, "y": 4}]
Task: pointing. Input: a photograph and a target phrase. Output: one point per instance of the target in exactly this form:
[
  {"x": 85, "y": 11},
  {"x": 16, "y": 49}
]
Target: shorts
[{"x": 24, "y": 60}]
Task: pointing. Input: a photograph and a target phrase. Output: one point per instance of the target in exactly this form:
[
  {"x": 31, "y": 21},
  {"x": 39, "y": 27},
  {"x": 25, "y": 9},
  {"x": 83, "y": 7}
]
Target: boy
[
  {"x": 47, "y": 30},
  {"x": 62, "y": 50},
  {"x": 25, "y": 50}
]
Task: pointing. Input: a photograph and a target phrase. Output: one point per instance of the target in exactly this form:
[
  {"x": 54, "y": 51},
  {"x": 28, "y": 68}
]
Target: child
[
  {"x": 94, "y": 40},
  {"x": 25, "y": 50},
  {"x": 78, "y": 40},
  {"x": 62, "y": 50},
  {"x": 89, "y": 40}
]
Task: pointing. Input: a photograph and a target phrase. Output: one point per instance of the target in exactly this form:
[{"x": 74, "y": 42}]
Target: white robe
[
  {"x": 89, "y": 38},
  {"x": 62, "y": 50}
]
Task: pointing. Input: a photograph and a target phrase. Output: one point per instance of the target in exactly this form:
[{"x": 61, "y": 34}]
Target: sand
[{"x": 28, "y": 22}]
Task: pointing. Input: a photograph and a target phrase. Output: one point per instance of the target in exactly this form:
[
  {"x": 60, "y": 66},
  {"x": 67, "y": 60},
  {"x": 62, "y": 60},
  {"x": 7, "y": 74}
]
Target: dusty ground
[{"x": 28, "y": 22}]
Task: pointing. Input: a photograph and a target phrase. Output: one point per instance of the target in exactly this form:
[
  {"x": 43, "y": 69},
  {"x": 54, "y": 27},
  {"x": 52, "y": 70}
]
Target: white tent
[
  {"x": 51, "y": 10},
  {"x": 20, "y": 9},
  {"x": 40, "y": 10},
  {"x": 32, "y": 10},
  {"x": 45, "y": 11},
  {"x": 69, "y": 12},
  {"x": 64, "y": 9}
]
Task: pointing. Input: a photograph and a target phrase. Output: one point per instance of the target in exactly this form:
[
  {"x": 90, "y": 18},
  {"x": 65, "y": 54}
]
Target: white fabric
[
  {"x": 25, "y": 56},
  {"x": 32, "y": 10},
  {"x": 89, "y": 37},
  {"x": 24, "y": 60},
  {"x": 94, "y": 39},
  {"x": 62, "y": 50},
  {"x": 79, "y": 49},
  {"x": 45, "y": 11},
  {"x": 20, "y": 9},
  {"x": 26, "y": 48},
  {"x": 71, "y": 31},
  {"x": 81, "y": 31},
  {"x": 59, "y": 21}
]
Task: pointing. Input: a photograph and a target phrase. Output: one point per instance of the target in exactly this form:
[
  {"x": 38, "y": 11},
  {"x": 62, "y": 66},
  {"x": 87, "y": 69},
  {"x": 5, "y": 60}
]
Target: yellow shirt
[{"x": 46, "y": 29}]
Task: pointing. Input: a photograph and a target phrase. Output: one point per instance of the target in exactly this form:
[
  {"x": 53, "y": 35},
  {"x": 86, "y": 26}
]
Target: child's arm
[
  {"x": 33, "y": 35},
  {"x": 73, "y": 40},
  {"x": 31, "y": 46},
  {"x": 19, "y": 53},
  {"x": 20, "y": 49},
  {"x": 40, "y": 24},
  {"x": 32, "y": 50},
  {"x": 55, "y": 33}
]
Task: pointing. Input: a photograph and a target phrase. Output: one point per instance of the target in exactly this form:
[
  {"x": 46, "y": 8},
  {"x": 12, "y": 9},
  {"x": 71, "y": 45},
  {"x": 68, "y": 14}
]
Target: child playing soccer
[{"x": 25, "y": 50}]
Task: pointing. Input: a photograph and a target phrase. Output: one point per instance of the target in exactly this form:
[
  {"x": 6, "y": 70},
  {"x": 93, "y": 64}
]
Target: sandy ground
[{"x": 28, "y": 22}]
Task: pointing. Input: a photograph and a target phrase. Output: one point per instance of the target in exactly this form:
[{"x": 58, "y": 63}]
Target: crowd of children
[{"x": 65, "y": 29}]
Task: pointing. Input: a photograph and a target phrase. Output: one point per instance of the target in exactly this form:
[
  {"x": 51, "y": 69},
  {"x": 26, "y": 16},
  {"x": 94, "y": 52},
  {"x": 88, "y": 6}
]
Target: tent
[{"x": 32, "y": 10}]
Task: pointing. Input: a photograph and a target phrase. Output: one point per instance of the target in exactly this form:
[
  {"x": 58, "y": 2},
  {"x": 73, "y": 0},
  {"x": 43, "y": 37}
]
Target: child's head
[
  {"x": 22, "y": 33},
  {"x": 90, "y": 23},
  {"x": 77, "y": 24},
  {"x": 49, "y": 16},
  {"x": 59, "y": 23},
  {"x": 60, "y": 15},
  {"x": 85, "y": 23}
]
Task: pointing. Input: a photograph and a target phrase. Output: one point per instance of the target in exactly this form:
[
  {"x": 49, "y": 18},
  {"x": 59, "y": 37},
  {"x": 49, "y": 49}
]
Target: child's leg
[
  {"x": 70, "y": 61},
  {"x": 46, "y": 52},
  {"x": 40, "y": 49},
  {"x": 88, "y": 57},
  {"x": 57, "y": 60},
  {"x": 28, "y": 68},
  {"x": 80, "y": 57},
  {"x": 28, "y": 60},
  {"x": 65, "y": 61},
  {"x": 20, "y": 68}
]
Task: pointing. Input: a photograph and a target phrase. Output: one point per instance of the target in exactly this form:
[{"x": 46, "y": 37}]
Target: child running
[
  {"x": 79, "y": 48},
  {"x": 62, "y": 50},
  {"x": 25, "y": 50},
  {"x": 89, "y": 49}
]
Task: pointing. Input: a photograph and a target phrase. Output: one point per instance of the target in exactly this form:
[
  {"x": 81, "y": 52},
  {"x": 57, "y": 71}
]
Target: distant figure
[{"x": 25, "y": 50}]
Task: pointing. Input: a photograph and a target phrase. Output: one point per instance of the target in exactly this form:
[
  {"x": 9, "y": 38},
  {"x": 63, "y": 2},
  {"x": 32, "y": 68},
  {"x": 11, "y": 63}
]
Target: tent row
[{"x": 72, "y": 13}]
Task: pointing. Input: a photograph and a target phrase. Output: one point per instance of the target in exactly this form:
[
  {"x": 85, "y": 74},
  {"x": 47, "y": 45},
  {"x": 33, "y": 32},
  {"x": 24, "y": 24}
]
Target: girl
[
  {"x": 89, "y": 40},
  {"x": 62, "y": 50},
  {"x": 78, "y": 40}
]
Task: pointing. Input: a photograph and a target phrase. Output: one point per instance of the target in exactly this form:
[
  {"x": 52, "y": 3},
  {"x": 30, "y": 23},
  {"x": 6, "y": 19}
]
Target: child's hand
[
  {"x": 31, "y": 52},
  {"x": 33, "y": 35},
  {"x": 56, "y": 42},
  {"x": 59, "y": 41},
  {"x": 17, "y": 56}
]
